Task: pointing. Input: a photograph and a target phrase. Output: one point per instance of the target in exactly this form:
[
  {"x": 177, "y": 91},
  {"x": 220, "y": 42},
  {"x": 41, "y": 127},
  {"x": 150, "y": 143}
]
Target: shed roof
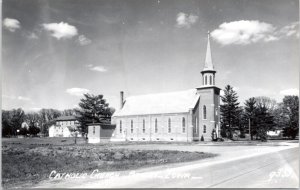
[{"x": 171, "y": 102}]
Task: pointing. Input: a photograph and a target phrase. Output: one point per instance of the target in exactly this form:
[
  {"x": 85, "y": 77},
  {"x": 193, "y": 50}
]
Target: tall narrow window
[
  {"x": 144, "y": 128},
  {"x": 204, "y": 128},
  {"x": 131, "y": 126},
  {"x": 120, "y": 126},
  {"x": 210, "y": 80},
  {"x": 183, "y": 125},
  {"x": 205, "y": 80},
  {"x": 94, "y": 130},
  {"x": 169, "y": 125},
  {"x": 204, "y": 112},
  {"x": 156, "y": 129}
]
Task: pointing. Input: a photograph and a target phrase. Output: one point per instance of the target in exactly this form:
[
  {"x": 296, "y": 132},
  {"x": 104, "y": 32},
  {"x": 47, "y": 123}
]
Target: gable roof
[
  {"x": 172, "y": 102},
  {"x": 66, "y": 118}
]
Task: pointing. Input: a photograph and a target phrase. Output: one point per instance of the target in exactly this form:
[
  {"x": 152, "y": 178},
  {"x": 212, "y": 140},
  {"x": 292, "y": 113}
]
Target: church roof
[
  {"x": 208, "y": 59},
  {"x": 171, "y": 102}
]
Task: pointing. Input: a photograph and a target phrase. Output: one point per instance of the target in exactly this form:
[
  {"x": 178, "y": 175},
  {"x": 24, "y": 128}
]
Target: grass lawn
[{"x": 32, "y": 160}]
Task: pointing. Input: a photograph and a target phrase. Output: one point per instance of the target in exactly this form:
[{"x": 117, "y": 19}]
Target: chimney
[{"x": 121, "y": 99}]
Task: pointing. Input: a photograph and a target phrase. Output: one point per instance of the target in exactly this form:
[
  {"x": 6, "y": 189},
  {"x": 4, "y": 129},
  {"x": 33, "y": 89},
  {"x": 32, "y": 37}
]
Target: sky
[{"x": 53, "y": 51}]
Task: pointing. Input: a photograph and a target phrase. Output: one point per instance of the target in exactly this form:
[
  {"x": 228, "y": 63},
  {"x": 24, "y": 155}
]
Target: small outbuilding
[{"x": 100, "y": 132}]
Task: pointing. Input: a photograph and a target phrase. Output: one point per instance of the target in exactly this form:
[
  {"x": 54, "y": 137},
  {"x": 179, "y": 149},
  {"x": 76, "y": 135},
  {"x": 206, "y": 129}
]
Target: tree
[
  {"x": 266, "y": 102},
  {"x": 6, "y": 124},
  {"x": 93, "y": 109},
  {"x": 69, "y": 112},
  {"x": 291, "y": 112},
  {"x": 16, "y": 117},
  {"x": 230, "y": 111},
  {"x": 33, "y": 130},
  {"x": 250, "y": 114},
  {"x": 264, "y": 121},
  {"x": 280, "y": 119}
]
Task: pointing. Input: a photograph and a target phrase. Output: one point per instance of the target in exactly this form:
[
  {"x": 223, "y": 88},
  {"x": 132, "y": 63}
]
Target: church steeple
[{"x": 208, "y": 72}]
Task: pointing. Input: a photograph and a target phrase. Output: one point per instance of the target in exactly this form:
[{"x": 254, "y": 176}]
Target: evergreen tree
[
  {"x": 250, "y": 114},
  {"x": 230, "y": 112},
  {"x": 93, "y": 109}
]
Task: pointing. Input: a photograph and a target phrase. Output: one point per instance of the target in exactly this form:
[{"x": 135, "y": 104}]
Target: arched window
[
  {"x": 210, "y": 80},
  {"x": 156, "y": 129},
  {"x": 144, "y": 128},
  {"x": 131, "y": 124},
  {"x": 205, "y": 80},
  {"x": 204, "y": 112},
  {"x": 169, "y": 125},
  {"x": 120, "y": 126},
  {"x": 183, "y": 125},
  {"x": 204, "y": 128}
]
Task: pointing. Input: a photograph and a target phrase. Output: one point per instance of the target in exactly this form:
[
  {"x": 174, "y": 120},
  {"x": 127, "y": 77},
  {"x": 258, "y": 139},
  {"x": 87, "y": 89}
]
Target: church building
[{"x": 187, "y": 116}]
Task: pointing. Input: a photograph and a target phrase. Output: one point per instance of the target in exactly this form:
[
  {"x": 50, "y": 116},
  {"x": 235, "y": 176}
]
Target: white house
[{"x": 63, "y": 127}]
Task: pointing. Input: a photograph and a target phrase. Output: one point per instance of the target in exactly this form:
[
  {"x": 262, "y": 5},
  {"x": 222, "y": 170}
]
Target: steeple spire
[
  {"x": 208, "y": 59},
  {"x": 208, "y": 73}
]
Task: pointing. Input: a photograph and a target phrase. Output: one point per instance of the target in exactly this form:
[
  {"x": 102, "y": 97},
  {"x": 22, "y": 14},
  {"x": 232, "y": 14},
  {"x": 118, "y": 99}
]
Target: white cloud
[
  {"x": 11, "y": 24},
  {"x": 291, "y": 91},
  {"x": 97, "y": 68},
  {"x": 290, "y": 30},
  {"x": 82, "y": 40},
  {"x": 185, "y": 21},
  {"x": 22, "y": 98},
  {"x": 77, "y": 91},
  {"x": 244, "y": 32},
  {"x": 61, "y": 30}
]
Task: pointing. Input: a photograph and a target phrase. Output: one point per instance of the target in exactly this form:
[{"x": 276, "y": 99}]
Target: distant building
[
  {"x": 63, "y": 127},
  {"x": 276, "y": 134},
  {"x": 175, "y": 116}
]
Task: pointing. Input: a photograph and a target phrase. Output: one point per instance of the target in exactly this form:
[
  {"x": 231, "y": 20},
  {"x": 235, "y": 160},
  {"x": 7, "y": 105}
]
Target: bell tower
[
  {"x": 208, "y": 115},
  {"x": 208, "y": 72}
]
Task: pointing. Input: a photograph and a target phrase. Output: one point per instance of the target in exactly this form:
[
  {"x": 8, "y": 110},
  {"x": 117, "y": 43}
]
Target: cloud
[
  {"x": 97, "y": 68},
  {"x": 77, "y": 91},
  {"x": 244, "y": 32},
  {"x": 185, "y": 21},
  {"x": 82, "y": 40},
  {"x": 291, "y": 91},
  {"x": 61, "y": 30},
  {"x": 11, "y": 24},
  {"x": 22, "y": 98},
  {"x": 290, "y": 30}
]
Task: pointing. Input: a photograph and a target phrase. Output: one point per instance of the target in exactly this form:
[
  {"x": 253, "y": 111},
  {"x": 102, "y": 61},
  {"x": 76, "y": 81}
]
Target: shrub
[{"x": 202, "y": 138}]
